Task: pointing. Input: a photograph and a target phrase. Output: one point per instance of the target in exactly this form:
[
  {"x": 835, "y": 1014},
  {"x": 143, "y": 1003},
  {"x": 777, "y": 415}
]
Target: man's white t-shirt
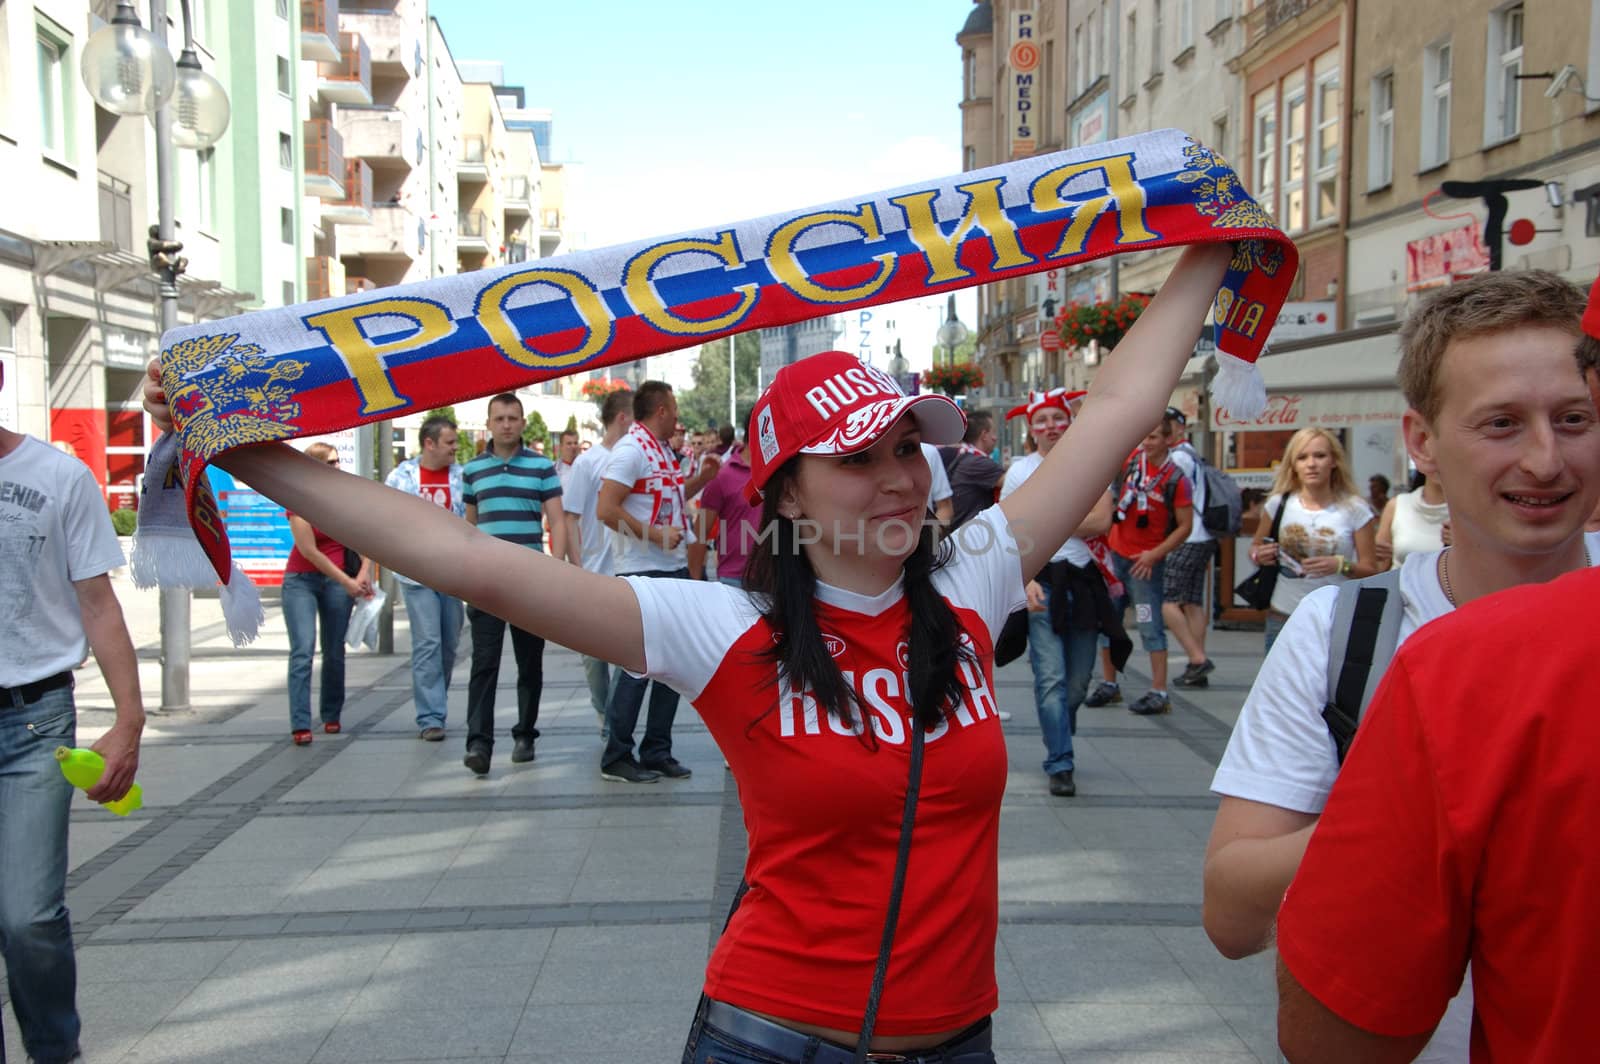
[
  {"x": 578, "y": 496},
  {"x": 939, "y": 488},
  {"x": 1281, "y": 754},
  {"x": 629, "y": 554},
  {"x": 1074, "y": 550},
  {"x": 54, "y": 529},
  {"x": 1183, "y": 457}
]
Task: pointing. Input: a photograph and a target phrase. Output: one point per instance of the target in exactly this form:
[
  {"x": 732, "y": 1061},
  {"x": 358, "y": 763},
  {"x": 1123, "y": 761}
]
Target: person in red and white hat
[{"x": 855, "y": 628}]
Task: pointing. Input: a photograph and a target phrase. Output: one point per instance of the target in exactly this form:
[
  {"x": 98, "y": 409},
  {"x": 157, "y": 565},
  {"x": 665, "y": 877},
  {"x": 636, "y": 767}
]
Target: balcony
[
  {"x": 319, "y": 30},
  {"x": 472, "y": 233},
  {"x": 354, "y": 284},
  {"x": 395, "y": 234},
  {"x": 387, "y": 140},
  {"x": 324, "y": 151},
  {"x": 474, "y": 162},
  {"x": 396, "y": 49},
  {"x": 350, "y": 79},
  {"x": 355, "y": 207},
  {"x": 515, "y": 199},
  {"x": 324, "y": 277},
  {"x": 550, "y": 234}
]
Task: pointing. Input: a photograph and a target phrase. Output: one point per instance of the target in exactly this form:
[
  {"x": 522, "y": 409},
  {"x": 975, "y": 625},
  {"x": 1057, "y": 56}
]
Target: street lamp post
[
  {"x": 129, "y": 71},
  {"x": 953, "y": 333}
]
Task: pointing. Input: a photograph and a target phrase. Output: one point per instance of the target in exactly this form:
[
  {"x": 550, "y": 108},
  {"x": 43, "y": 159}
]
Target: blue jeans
[
  {"x": 435, "y": 627},
  {"x": 1147, "y": 596},
  {"x": 35, "y": 931},
  {"x": 757, "y": 1041},
  {"x": 1274, "y": 624},
  {"x": 306, "y": 597},
  {"x": 622, "y": 712},
  {"x": 1062, "y": 666},
  {"x": 602, "y": 677}
]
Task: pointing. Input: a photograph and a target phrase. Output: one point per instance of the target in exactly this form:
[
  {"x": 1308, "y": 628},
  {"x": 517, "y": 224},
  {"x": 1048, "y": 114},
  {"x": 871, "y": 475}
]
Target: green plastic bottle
[{"x": 83, "y": 769}]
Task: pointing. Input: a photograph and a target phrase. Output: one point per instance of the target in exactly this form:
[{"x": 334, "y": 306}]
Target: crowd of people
[{"x": 1402, "y": 810}]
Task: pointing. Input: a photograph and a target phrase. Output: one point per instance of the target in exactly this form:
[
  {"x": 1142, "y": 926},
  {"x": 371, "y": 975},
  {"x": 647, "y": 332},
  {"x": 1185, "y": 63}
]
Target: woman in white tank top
[{"x": 1412, "y": 523}]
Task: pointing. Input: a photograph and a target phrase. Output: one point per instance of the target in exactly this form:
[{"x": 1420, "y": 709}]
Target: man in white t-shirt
[
  {"x": 57, "y": 550},
  {"x": 1183, "y": 604},
  {"x": 589, "y": 541},
  {"x": 940, "y": 496},
  {"x": 644, "y": 500},
  {"x": 567, "y": 450},
  {"x": 1498, "y": 410}
]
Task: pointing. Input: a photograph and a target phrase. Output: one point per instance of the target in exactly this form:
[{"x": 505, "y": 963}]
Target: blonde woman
[{"x": 1327, "y": 534}]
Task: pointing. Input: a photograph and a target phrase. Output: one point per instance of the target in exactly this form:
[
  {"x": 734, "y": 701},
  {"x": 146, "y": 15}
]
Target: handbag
[
  {"x": 1256, "y": 589},
  {"x": 1012, "y": 642},
  {"x": 352, "y": 561}
]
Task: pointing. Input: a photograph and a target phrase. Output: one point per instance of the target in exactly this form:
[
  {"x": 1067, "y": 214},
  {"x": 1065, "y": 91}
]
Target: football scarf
[
  {"x": 285, "y": 372},
  {"x": 664, "y": 484}
]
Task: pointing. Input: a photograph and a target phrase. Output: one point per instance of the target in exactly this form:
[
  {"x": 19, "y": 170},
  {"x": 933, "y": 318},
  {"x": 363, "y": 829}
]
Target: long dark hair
[{"x": 784, "y": 584}]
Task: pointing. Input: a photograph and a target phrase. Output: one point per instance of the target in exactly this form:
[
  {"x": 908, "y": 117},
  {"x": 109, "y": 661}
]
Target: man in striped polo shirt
[{"x": 512, "y": 493}]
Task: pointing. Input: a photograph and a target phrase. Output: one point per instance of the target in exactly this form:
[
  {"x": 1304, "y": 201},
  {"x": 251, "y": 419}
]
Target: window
[
  {"x": 197, "y": 188},
  {"x": 1502, "y": 116},
  {"x": 1325, "y": 119},
  {"x": 1185, "y": 25},
  {"x": 1047, "y": 108},
  {"x": 288, "y": 293},
  {"x": 1292, "y": 216},
  {"x": 1096, "y": 54},
  {"x": 286, "y": 151},
  {"x": 55, "y": 90},
  {"x": 969, "y": 158},
  {"x": 283, "y": 75},
  {"x": 1264, "y": 144},
  {"x": 1080, "y": 63},
  {"x": 1224, "y": 11},
  {"x": 1219, "y": 134},
  {"x": 1155, "y": 39},
  {"x": 969, "y": 74},
  {"x": 286, "y": 225},
  {"x": 1436, "y": 74},
  {"x": 1380, "y": 148},
  {"x": 5, "y": 69},
  {"x": 282, "y": 8},
  {"x": 1131, "y": 41}
]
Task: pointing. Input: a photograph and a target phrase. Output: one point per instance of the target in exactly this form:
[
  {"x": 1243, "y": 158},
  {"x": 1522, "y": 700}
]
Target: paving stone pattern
[{"x": 367, "y": 899}]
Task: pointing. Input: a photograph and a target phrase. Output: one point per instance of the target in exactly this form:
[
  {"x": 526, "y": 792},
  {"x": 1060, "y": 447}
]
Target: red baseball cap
[
  {"x": 833, "y": 403},
  {"x": 1591, "y": 313}
]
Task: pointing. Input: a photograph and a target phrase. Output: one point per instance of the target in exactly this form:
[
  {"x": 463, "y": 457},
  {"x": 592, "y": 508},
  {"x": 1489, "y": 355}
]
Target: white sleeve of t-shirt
[
  {"x": 582, "y": 488},
  {"x": 939, "y": 488},
  {"x": 627, "y": 463},
  {"x": 689, "y": 625},
  {"x": 92, "y": 547},
  {"x": 985, "y": 570},
  {"x": 1280, "y": 752}
]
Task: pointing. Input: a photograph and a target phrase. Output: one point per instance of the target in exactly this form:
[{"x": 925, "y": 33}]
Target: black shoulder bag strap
[
  {"x": 1365, "y": 631},
  {"x": 892, "y": 917}
]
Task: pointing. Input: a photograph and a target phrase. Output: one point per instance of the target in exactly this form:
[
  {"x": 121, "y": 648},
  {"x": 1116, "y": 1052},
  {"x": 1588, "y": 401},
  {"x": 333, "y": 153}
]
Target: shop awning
[{"x": 1349, "y": 380}]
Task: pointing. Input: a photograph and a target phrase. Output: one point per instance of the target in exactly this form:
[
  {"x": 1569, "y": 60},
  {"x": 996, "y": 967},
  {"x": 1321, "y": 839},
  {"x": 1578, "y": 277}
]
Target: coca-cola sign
[{"x": 1282, "y": 412}]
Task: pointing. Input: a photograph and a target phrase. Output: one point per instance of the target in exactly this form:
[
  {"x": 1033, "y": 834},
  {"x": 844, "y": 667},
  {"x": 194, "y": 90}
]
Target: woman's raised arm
[
  {"x": 1129, "y": 393},
  {"x": 592, "y": 614}
]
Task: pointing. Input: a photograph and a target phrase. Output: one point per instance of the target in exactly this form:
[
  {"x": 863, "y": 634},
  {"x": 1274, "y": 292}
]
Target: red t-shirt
[
  {"x": 1127, "y": 538},
  {"x": 435, "y": 485},
  {"x": 299, "y": 563},
  {"x": 1462, "y": 827},
  {"x": 822, "y": 807}
]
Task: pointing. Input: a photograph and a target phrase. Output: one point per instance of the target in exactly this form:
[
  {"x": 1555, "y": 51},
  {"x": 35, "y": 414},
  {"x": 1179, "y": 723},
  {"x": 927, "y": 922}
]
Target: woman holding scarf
[{"x": 858, "y": 643}]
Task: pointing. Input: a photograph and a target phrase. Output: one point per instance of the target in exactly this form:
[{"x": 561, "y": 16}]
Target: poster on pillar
[
  {"x": 10, "y": 412},
  {"x": 1023, "y": 59}
]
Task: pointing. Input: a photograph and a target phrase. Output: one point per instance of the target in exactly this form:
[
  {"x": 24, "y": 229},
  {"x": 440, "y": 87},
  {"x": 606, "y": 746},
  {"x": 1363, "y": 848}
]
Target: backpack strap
[{"x": 1365, "y": 632}]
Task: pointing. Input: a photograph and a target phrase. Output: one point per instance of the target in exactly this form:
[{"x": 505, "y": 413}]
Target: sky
[{"x": 700, "y": 112}]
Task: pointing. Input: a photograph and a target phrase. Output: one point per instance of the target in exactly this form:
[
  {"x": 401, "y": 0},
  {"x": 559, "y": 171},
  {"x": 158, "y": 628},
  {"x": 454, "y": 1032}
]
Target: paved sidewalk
[{"x": 367, "y": 899}]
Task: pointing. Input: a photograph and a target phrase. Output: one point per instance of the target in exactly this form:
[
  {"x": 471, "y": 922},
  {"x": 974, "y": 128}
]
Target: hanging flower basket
[
  {"x": 602, "y": 387},
  {"x": 1108, "y": 322},
  {"x": 955, "y": 379}
]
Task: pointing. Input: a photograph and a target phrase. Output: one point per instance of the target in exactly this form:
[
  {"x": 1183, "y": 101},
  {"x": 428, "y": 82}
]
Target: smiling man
[{"x": 1377, "y": 929}]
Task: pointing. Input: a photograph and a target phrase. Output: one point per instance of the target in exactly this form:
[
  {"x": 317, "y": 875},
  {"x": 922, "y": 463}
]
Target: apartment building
[{"x": 1471, "y": 92}]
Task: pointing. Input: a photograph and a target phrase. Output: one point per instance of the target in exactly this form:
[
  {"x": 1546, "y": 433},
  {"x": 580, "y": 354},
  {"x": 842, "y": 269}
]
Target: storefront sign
[
  {"x": 1298, "y": 410},
  {"x": 257, "y": 527},
  {"x": 126, "y": 350},
  {"x": 1023, "y": 60},
  {"x": 1092, "y": 124},
  {"x": 1437, "y": 260},
  {"x": 1299, "y": 321}
]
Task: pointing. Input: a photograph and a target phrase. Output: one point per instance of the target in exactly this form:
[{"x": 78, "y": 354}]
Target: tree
[
  {"x": 706, "y": 404},
  {"x": 964, "y": 352},
  {"x": 535, "y": 429},
  {"x": 572, "y": 424}
]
